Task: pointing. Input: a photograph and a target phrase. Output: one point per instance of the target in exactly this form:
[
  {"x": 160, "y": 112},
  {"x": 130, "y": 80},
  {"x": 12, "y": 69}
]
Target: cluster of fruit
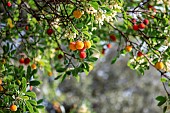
[
  {"x": 81, "y": 46},
  {"x": 26, "y": 61},
  {"x": 142, "y": 25}
]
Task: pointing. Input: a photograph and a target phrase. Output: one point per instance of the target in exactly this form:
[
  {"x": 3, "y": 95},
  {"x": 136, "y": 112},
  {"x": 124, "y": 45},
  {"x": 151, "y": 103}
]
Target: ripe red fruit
[
  {"x": 83, "y": 49},
  {"x": 26, "y": 61},
  {"x": 82, "y": 54},
  {"x": 60, "y": 56},
  {"x": 135, "y": 27},
  {"x": 150, "y": 6},
  {"x": 146, "y": 21},
  {"x": 141, "y": 26},
  {"x": 139, "y": 54},
  {"x": 109, "y": 45},
  {"x": 21, "y": 60},
  {"x": 49, "y": 31},
  {"x": 113, "y": 38},
  {"x": 26, "y": 27},
  {"x": 103, "y": 51},
  {"x": 9, "y": 4},
  {"x": 31, "y": 87},
  {"x": 133, "y": 20}
]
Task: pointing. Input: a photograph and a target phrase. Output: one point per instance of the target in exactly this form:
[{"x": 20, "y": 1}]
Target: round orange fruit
[
  {"x": 87, "y": 44},
  {"x": 128, "y": 48},
  {"x": 77, "y": 14},
  {"x": 72, "y": 46},
  {"x": 79, "y": 44},
  {"x": 1, "y": 88},
  {"x": 159, "y": 65},
  {"x": 33, "y": 66},
  {"x": 13, "y": 107}
]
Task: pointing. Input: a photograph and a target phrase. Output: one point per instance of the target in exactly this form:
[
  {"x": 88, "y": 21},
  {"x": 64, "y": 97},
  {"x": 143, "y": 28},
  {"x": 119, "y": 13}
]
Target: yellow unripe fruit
[
  {"x": 1, "y": 88},
  {"x": 87, "y": 44},
  {"x": 50, "y": 73},
  {"x": 33, "y": 66},
  {"x": 72, "y": 46},
  {"x": 128, "y": 48},
  {"x": 159, "y": 65},
  {"x": 13, "y": 107},
  {"x": 77, "y": 13},
  {"x": 79, "y": 44}
]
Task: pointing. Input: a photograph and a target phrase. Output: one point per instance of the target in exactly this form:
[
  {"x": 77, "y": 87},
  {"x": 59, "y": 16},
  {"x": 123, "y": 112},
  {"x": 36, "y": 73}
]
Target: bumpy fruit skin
[
  {"x": 87, "y": 44},
  {"x": 159, "y": 65},
  {"x": 109, "y": 45},
  {"x": 128, "y": 48},
  {"x": 72, "y": 46},
  {"x": 139, "y": 54},
  {"x": 13, "y": 107},
  {"x": 9, "y": 4},
  {"x": 141, "y": 26},
  {"x": 50, "y": 31},
  {"x": 146, "y": 21},
  {"x": 135, "y": 27},
  {"x": 50, "y": 73},
  {"x": 21, "y": 60},
  {"x": 77, "y": 14},
  {"x": 26, "y": 61},
  {"x": 113, "y": 38},
  {"x": 79, "y": 44},
  {"x": 33, "y": 66},
  {"x": 1, "y": 88},
  {"x": 82, "y": 55}
]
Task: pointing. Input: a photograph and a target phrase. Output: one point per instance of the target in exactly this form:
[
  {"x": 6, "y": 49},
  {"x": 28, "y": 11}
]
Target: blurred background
[{"x": 109, "y": 88}]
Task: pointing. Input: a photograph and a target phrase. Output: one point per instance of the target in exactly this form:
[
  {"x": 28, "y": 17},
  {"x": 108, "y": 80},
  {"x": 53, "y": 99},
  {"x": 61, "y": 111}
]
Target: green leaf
[
  {"x": 31, "y": 94},
  {"x": 163, "y": 79},
  {"x": 39, "y": 101},
  {"x": 24, "y": 84},
  {"x": 95, "y": 5},
  {"x": 34, "y": 71},
  {"x": 64, "y": 76},
  {"x": 164, "y": 109},
  {"x": 29, "y": 106},
  {"x": 60, "y": 69},
  {"x": 74, "y": 29},
  {"x": 92, "y": 59},
  {"x": 161, "y": 100},
  {"x": 40, "y": 107},
  {"x": 57, "y": 77},
  {"x": 77, "y": 78},
  {"x": 34, "y": 83},
  {"x": 24, "y": 97},
  {"x": 114, "y": 60},
  {"x": 33, "y": 102}
]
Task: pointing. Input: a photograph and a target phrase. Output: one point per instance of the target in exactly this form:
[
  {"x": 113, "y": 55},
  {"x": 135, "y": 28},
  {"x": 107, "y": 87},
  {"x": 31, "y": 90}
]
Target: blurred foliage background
[{"x": 107, "y": 89}]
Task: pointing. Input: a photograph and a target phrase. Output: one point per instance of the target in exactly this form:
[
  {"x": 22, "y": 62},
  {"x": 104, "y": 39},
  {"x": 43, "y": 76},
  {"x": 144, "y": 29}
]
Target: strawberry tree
[{"x": 63, "y": 37}]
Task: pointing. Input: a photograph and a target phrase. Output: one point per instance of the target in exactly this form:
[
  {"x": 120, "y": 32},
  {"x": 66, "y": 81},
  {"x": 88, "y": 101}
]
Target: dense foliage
[{"x": 63, "y": 38}]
